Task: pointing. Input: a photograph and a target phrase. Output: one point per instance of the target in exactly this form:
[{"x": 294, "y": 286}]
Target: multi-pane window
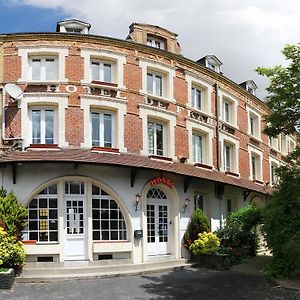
[
  {"x": 274, "y": 177},
  {"x": 43, "y": 217},
  {"x": 74, "y": 188},
  {"x": 155, "y": 84},
  {"x": 43, "y": 126},
  {"x": 196, "y": 95},
  {"x": 156, "y": 43},
  {"x": 198, "y": 148},
  {"x": 155, "y": 138},
  {"x": 44, "y": 68},
  {"x": 198, "y": 201},
  {"x": 254, "y": 126},
  {"x": 102, "y": 129},
  {"x": 101, "y": 71},
  {"x": 255, "y": 167},
  {"x": 227, "y": 111},
  {"x": 227, "y": 157},
  {"x": 108, "y": 220}
]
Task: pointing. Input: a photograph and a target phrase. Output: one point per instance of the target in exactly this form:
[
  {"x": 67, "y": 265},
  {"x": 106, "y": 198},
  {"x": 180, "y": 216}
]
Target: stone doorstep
[{"x": 63, "y": 274}]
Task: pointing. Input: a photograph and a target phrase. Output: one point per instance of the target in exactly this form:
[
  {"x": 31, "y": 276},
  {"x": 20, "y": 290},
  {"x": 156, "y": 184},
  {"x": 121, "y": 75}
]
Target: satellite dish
[{"x": 14, "y": 91}]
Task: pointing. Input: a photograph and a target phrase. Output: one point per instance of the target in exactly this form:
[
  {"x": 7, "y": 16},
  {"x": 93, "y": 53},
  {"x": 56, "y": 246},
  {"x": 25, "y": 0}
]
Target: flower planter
[
  {"x": 213, "y": 261},
  {"x": 7, "y": 279}
]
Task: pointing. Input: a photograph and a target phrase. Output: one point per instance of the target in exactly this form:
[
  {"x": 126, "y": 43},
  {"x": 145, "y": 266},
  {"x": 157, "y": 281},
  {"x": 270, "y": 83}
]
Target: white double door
[
  {"x": 75, "y": 227},
  {"x": 157, "y": 227}
]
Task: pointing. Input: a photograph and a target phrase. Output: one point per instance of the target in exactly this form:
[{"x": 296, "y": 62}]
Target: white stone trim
[
  {"x": 195, "y": 126},
  {"x": 43, "y": 100},
  {"x": 119, "y": 60},
  {"x": 224, "y": 95},
  {"x": 119, "y": 107},
  {"x": 259, "y": 153},
  {"x": 165, "y": 117},
  {"x": 205, "y": 87},
  {"x": 166, "y": 71},
  {"x": 256, "y": 113},
  {"x": 236, "y": 144},
  {"x": 59, "y": 51}
]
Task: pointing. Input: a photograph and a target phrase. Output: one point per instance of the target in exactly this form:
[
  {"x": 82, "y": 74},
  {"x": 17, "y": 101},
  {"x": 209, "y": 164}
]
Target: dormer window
[
  {"x": 211, "y": 62},
  {"x": 73, "y": 26},
  {"x": 249, "y": 86},
  {"x": 155, "y": 42}
]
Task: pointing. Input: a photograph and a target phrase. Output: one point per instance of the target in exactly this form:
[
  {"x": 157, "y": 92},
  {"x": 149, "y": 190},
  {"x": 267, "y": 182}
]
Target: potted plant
[
  {"x": 205, "y": 252},
  {"x": 7, "y": 278}
]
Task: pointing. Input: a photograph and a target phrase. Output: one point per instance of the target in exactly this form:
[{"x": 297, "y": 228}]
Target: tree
[{"x": 282, "y": 212}]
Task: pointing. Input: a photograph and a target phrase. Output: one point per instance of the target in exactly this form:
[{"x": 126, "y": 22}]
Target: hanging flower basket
[{"x": 7, "y": 278}]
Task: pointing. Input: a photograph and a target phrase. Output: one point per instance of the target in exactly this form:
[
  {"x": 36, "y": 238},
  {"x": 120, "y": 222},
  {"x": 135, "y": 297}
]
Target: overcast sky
[{"x": 242, "y": 34}]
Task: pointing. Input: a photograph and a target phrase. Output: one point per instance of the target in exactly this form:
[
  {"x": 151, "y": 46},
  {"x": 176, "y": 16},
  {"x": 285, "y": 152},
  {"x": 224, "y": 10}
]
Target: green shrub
[
  {"x": 282, "y": 223},
  {"x": 239, "y": 237},
  {"x": 207, "y": 243},
  {"x": 12, "y": 254},
  {"x": 198, "y": 224},
  {"x": 12, "y": 214}
]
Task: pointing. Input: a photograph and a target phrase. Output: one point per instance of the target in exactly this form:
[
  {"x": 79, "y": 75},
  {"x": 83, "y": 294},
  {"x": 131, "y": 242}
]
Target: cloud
[{"x": 243, "y": 34}]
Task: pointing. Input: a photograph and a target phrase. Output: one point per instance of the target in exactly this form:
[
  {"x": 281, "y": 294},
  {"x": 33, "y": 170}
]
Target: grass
[{"x": 4, "y": 269}]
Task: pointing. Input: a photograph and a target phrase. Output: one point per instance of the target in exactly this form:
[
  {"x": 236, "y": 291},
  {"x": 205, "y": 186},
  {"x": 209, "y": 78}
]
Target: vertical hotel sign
[{"x": 161, "y": 180}]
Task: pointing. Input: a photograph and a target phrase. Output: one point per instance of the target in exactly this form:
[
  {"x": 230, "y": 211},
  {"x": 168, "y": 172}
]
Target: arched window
[
  {"x": 108, "y": 220},
  {"x": 43, "y": 217}
]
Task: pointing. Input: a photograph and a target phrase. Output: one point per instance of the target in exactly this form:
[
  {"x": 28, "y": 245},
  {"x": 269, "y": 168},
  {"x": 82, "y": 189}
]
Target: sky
[{"x": 242, "y": 34}]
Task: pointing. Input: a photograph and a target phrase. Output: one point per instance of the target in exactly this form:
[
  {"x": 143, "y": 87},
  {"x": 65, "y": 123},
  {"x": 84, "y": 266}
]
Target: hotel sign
[{"x": 162, "y": 180}]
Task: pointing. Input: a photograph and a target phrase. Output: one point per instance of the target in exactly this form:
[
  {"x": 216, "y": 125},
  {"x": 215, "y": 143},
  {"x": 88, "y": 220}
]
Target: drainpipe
[
  {"x": 217, "y": 126},
  {"x": 3, "y": 114}
]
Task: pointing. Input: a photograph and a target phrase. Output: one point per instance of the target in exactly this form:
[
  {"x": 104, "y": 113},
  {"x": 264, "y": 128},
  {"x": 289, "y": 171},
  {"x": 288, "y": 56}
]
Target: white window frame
[
  {"x": 257, "y": 122},
  {"x": 273, "y": 163},
  {"x": 60, "y": 101},
  {"x": 233, "y": 101},
  {"x": 258, "y": 153},
  {"x": 199, "y": 153},
  {"x": 155, "y": 76},
  {"x": 226, "y": 139},
  {"x": 156, "y": 42},
  {"x": 28, "y": 52},
  {"x": 118, "y": 106},
  {"x": 43, "y": 110},
  {"x": 168, "y": 73},
  {"x": 206, "y": 89},
  {"x": 117, "y": 59},
  {"x": 101, "y": 127},
  {"x": 43, "y": 67},
  {"x": 164, "y": 143},
  {"x": 101, "y": 70},
  {"x": 166, "y": 117},
  {"x": 274, "y": 142}
]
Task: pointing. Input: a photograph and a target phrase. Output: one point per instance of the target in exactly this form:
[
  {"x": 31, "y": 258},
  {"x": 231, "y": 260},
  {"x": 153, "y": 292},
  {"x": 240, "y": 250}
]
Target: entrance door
[
  {"x": 75, "y": 227},
  {"x": 157, "y": 222}
]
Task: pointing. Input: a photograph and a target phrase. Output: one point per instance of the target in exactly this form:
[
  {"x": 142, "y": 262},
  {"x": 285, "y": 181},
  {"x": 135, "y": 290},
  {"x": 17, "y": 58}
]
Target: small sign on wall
[{"x": 162, "y": 180}]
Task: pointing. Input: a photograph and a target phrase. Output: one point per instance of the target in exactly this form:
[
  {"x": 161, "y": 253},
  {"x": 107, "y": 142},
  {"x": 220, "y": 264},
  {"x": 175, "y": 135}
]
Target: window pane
[
  {"x": 95, "y": 129},
  {"x": 149, "y": 83},
  {"x": 36, "y": 126},
  {"x": 95, "y": 66},
  {"x": 107, "y": 130},
  {"x": 159, "y": 139},
  {"x": 51, "y": 69},
  {"x": 158, "y": 85},
  {"x": 151, "y": 137},
  {"x": 49, "y": 121},
  {"x": 36, "y": 69},
  {"x": 197, "y": 148},
  {"x": 107, "y": 73}
]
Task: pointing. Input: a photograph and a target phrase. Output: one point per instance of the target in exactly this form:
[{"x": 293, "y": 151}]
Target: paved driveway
[{"x": 180, "y": 284}]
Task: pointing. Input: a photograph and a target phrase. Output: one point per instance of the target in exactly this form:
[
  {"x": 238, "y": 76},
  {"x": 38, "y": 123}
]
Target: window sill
[
  {"x": 158, "y": 98},
  {"x": 104, "y": 84},
  {"x": 232, "y": 174},
  {"x": 104, "y": 149},
  {"x": 43, "y": 147},
  {"x": 29, "y": 242},
  {"x": 161, "y": 158},
  {"x": 228, "y": 128},
  {"x": 203, "y": 166},
  {"x": 229, "y": 125},
  {"x": 110, "y": 242},
  {"x": 258, "y": 181}
]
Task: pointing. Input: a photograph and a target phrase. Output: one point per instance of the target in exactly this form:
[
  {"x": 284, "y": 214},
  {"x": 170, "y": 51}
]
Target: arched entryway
[{"x": 70, "y": 216}]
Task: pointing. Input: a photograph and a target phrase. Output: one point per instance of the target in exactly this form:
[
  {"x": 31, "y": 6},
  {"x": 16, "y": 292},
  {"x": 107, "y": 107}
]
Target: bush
[
  {"x": 207, "y": 243},
  {"x": 239, "y": 237},
  {"x": 198, "y": 224},
  {"x": 282, "y": 223},
  {"x": 12, "y": 254},
  {"x": 12, "y": 214}
]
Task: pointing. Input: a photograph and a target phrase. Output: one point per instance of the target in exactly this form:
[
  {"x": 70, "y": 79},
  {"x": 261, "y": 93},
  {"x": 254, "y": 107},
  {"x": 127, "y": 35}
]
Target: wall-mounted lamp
[
  {"x": 137, "y": 200},
  {"x": 186, "y": 203}
]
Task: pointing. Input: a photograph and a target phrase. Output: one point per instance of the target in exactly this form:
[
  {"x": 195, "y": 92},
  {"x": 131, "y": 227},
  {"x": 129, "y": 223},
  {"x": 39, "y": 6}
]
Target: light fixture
[
  {"x": 186, "y": 203},
  {"x": 137, "y": 200}
]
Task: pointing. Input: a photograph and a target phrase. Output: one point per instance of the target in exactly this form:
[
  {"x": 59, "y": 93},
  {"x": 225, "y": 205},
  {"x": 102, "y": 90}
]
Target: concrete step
[{"x": 94, "y": 270}]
